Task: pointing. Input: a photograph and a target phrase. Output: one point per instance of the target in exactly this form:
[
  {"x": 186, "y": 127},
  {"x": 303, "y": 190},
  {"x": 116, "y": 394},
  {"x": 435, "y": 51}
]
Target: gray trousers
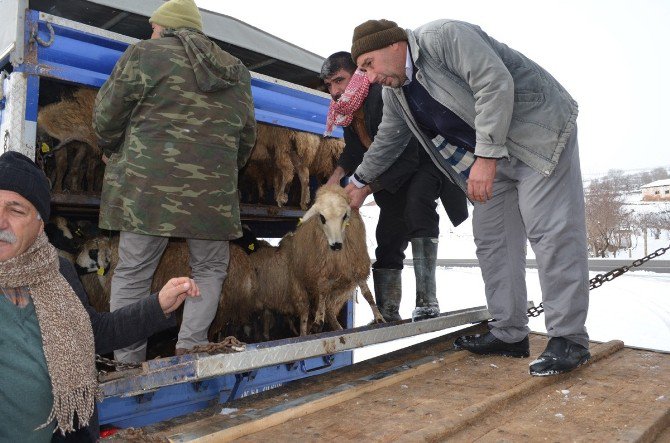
[
  {"x": 549, "y": 211},
  {"x": 138, "y": 258}
]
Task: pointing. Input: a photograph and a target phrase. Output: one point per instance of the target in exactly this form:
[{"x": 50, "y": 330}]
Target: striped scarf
[{"x": 67, "y": 336}]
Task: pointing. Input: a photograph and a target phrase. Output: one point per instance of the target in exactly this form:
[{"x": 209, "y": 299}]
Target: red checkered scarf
[{"x": 341, "y": 112}]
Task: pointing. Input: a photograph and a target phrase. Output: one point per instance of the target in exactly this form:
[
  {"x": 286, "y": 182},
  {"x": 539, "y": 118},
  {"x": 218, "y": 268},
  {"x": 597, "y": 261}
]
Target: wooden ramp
[{"x": 432, "y": 393}]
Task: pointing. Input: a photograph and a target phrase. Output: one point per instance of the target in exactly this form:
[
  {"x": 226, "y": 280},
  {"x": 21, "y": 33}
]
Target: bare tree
[
  {"x": 652, "y": 222},
  {"x": 607, "y": 221}
]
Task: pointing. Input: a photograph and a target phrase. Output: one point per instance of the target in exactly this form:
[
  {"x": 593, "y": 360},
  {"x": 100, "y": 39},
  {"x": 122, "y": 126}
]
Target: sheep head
[
  {"x": 332, "y": 207},
  {"x": 95, "y": 256}
]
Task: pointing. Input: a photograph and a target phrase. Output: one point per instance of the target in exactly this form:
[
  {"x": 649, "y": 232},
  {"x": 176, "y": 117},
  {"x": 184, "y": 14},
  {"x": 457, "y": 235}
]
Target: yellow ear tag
[
  {"x": 346, "y": 224},
  {"x": 101, "y": 271},
  {"x": 45, "y": 148},
  {"x": 299, "y": 221}
]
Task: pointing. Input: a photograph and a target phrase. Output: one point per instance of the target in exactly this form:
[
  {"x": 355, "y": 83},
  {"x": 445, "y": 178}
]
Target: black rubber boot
[
  {"x": 561, "y": 355},
  {"x": 388, "y": 292},
  {"x": 424, "y": 253}
]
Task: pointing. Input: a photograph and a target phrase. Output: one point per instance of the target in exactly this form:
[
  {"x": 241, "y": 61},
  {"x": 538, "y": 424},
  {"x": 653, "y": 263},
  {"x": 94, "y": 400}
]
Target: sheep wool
[{"x": 67, "y": 340}]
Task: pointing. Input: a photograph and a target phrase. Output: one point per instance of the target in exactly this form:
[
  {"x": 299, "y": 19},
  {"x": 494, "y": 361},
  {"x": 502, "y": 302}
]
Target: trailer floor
[{"x": 432, "y": 393}]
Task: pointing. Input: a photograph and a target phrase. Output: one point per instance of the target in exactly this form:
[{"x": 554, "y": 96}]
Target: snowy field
[{"x": 634, "y": 307}]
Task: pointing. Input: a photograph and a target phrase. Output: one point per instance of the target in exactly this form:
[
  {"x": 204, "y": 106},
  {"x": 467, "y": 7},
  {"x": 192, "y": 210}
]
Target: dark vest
[{"x": 435, "y": 119}]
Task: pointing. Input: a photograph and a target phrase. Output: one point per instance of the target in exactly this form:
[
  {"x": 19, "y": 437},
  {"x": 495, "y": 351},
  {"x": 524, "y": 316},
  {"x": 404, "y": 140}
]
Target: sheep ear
[{"x": 309, "y": 214}]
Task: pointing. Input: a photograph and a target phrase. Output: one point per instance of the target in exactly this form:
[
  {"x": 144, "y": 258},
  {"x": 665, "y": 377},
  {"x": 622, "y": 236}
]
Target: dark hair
[{"x": 335, "y": 62}]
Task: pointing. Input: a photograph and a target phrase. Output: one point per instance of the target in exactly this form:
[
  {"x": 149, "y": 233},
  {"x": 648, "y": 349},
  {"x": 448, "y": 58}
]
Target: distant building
[{"x": 658, "y": 190}]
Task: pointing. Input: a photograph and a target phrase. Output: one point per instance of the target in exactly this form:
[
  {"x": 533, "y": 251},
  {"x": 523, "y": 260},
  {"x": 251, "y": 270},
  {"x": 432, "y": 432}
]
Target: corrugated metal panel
[
  {"x": 231, "y": 30},
  {"x": 260, "y": 51}
]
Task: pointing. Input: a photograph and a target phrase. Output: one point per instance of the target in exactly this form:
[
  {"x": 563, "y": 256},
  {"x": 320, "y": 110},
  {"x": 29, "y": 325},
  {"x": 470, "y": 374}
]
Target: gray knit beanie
[{"x": 375, "y": 34}]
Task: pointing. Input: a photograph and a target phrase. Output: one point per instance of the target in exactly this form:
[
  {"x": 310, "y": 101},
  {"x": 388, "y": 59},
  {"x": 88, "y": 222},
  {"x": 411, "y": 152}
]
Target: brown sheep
[
  {"x": 270, "y": 160},
  {"x": 314, "y": 156},
  {"x": 259, "y": 166},
  {"x": 71, "y": 120},
  {"x": 329, "y": 152},
  {"x": 303, "y": 154},
  {"x": 235, "y": 305},
  {"x": 311, "y": 268}
]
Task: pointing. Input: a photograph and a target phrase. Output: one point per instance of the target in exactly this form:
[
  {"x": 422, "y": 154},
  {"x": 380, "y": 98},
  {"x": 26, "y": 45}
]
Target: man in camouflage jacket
[{"x": 176, "y": 121}]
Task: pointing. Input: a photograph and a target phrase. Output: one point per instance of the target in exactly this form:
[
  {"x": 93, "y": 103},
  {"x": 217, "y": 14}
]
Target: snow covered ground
[
  {"x": 458, "y": 242},
  {"x": 634, "y": 307}
]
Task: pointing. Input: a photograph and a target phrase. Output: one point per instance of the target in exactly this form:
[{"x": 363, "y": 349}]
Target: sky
[{"x": 612, "y": 56}]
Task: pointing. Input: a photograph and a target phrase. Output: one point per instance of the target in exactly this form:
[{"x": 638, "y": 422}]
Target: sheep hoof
[{"x": 317, "y": 327}]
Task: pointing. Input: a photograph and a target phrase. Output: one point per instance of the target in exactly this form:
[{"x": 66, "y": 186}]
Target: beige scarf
[{"x": 67, "y": 336}]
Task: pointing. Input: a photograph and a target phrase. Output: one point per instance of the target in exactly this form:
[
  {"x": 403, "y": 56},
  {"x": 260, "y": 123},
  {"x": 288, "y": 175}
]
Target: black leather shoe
[
  {"x": 561, "y": 355},
  {"x": 488, "y": 344}
]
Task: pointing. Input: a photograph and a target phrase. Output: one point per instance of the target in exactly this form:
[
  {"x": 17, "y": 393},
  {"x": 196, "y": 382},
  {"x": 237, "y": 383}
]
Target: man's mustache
[{"x": 7, "y": 236}]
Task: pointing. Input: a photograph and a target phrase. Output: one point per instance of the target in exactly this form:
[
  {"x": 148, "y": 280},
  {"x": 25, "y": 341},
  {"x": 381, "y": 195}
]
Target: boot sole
[
  {"x": 514, "y": 354},
  {"x": 582, "y": 362},
  {"x": 503, "y": 353}
]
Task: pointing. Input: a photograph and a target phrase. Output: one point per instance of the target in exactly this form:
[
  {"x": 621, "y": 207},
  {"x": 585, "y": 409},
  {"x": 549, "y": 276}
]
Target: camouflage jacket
[{"x": 176, "y": 119}]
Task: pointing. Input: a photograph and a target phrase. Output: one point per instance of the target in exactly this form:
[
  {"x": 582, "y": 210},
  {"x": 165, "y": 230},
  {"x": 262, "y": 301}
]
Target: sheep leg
[
  {"x": 267, "y": 320},
  {"x": 283, "y": 175},
  {"x": 333, "y": 322},
  {"x": 74, "y": 178},
  {"x": 365, "y": 290},
  {"x": 61, "y": 169},
  {"x": 282, "y": 180},
  {"x": 304, "y": 320},
  {"x": 319, "y": 315},
  {"x": 91, "y": 167},
  {"x": 303, "y": 175},
  {"x": 291, "y": 325}
]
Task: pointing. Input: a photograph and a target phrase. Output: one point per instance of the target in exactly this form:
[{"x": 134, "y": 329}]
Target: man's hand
[
  {"x": 336, "y": 176},
  {"x": 175, "y": 292},
  {"x": 357, "y": 195},
  {"x": 480, "y": 180},
  {"x": 105, "y": 159}
]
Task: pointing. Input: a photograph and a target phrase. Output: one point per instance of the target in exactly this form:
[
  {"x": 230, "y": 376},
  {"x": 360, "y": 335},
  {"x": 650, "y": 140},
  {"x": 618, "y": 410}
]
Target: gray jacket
[{"x": 515, "y": 106}]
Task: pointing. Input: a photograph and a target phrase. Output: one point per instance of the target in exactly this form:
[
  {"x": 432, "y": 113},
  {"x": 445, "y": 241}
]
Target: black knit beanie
[
  {"x": 20, "y": 174},
  {"x": 375, "y": 34}
]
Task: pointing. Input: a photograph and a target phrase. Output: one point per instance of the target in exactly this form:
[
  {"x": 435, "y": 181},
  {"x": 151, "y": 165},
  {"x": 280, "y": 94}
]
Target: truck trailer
[{"x": 308, "y": 387}]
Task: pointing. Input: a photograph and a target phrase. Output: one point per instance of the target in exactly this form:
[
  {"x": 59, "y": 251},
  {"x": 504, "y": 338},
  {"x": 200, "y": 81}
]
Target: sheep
[
  {"x": 280, "y": 153},
  {"x": 303, "y": 154},
  {"x": 70, "y": 122},
  {"x": 312, "y": 267},
  {"x": 94, "y": 265},
  {"x": 259, "y": 166},
  {"x": 314, "y": 156},
  {"x": 324, "y": 164},
  {"x": 99, "y": 257},
  {"x": 61, "y": 237}
]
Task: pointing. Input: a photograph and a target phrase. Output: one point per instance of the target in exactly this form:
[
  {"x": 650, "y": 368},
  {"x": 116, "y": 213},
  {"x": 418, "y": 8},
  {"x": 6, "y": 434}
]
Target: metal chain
[
  {"x": 6, "y": 142},
  {"x": 227, "y": 345},
  {"x": 118, "y": 365},
  {"x": 599, "y": 279}
]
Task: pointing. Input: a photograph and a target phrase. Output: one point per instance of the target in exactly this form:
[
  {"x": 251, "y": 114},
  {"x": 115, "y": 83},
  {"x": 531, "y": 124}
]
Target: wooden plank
[
  {"x": 341, "y": 394},
  {"x": 441, "y": 432}
]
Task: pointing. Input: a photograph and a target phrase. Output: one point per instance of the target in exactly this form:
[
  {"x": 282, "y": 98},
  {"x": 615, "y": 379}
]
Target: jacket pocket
[{"x": 529, "y": 97}]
